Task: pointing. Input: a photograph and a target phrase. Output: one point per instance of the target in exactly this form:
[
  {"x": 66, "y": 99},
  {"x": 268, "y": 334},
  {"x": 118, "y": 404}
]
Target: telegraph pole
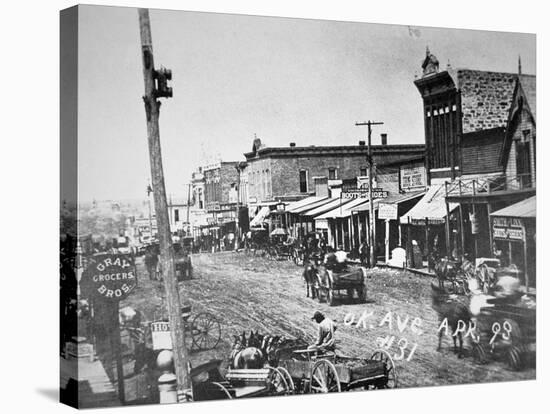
[
  {"x": 149, "y": 191},
  {"x": 372, "y": 231},
  {"x": 188, "y": 203},
  {"x": 156, "y": 87}
]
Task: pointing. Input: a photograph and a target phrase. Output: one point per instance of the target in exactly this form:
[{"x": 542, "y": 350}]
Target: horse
[
  {"x": 450, "y": 309},
  {"x": 310, "y": 277},
  {"x": 246, "y": 353}
]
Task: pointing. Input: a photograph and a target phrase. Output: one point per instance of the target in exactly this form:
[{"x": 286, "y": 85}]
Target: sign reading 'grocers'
[{"x": 110, "y": 277}]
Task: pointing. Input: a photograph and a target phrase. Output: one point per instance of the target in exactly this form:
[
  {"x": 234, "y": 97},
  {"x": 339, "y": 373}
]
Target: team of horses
[{"x": 258, "y": 351}]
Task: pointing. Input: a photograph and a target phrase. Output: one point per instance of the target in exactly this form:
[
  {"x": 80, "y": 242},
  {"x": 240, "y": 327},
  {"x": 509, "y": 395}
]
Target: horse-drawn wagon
[
  {"x": 331, "y": 283},
  {"x": 307, "y": 371},
  {"x": 310, "y": 372},
  {"x": 506, "y": 330}
]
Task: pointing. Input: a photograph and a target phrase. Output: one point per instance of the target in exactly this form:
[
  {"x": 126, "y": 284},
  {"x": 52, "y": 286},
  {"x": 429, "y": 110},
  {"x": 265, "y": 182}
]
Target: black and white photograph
[{"x": 258, "y": 206}]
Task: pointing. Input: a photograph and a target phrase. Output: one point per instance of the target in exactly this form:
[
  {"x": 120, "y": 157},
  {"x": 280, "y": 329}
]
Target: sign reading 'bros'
[{"x": 110, "y": 277}]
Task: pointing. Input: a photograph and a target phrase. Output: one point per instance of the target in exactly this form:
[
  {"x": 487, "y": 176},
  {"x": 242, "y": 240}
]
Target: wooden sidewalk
[{"x": 95, "y": 389}]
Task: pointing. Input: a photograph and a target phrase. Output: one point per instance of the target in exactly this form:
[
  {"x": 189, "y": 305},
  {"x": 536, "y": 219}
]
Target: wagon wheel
[
  {"x": 514, "y": 358},
  {"x": 277, "y": 382},
  {"x": 206, "y": 331},
  {"x": 288, "y": 378},
  {"x": 479, "y": 353},
  {"x": 223, "y": 389},
  {"x": 516, "y": 335},
  {"x": 324, "y": 378},
  {"x": 391, "y": 371}
]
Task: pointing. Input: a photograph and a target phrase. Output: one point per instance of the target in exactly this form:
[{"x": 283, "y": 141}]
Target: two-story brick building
[{"x": 289, "y": 173}]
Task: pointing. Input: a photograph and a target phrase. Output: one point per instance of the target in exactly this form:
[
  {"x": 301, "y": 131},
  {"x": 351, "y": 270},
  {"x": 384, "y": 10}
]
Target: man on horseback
[{"x": 326, "y": 340}]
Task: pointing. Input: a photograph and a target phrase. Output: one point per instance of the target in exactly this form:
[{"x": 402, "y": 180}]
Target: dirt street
[{"x": 252, "y": 293}]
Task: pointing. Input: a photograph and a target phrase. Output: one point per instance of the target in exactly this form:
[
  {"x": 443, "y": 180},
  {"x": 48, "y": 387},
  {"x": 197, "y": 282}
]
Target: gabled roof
[
  {"x": 528, "y": 84},
  {"x": 525, "y": 88}
]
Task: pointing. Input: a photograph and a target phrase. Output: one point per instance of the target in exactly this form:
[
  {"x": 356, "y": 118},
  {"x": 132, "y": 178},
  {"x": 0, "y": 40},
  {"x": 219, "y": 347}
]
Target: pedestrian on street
[{"x": 364, "y": 253}]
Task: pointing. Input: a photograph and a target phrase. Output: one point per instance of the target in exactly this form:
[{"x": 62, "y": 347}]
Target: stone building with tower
[{"x": 480, "y": 139}]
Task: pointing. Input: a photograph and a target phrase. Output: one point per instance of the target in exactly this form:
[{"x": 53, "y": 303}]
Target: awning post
[{"x": 448, "y": 228}]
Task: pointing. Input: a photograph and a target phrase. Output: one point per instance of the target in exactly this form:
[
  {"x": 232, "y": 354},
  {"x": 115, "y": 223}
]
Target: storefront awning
[
  {"x": 343, "y": 211},
  {"x": 392, "y": 199},
  {"x": 330, "y": 205},
  {"x": 260, "y": 217},
  {"x": 523, "y": 209},
  {"x": 303, "y": 202},
  {"x": 308, "y": 207},
  {"x": 431, "y": 207}
]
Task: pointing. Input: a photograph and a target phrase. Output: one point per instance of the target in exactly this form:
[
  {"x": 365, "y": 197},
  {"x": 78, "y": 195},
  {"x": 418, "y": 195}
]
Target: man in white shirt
[{"x": 326, "y": 340}]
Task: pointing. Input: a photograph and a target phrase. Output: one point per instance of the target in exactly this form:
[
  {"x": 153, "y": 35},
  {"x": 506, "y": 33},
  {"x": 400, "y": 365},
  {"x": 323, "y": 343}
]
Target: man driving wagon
[{"x": 326, "y": 340}]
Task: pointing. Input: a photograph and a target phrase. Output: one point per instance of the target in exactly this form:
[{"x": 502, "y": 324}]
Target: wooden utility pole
[
  {"x": 372, "y": 231},
  {"x": 155, "y": 87},
  {"x": 188, "y": 205},
  {"x": 149, "y": 191}
]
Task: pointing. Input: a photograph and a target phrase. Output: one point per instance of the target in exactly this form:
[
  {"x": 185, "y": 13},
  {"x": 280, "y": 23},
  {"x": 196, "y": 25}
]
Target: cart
[
  {"x": 330, "y": 283},
  {"x": 506, "y": 332},
  {"x": 309, "y": 372}
]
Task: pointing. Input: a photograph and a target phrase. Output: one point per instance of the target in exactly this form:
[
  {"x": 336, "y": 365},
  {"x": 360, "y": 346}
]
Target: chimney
[
  {"x": 361, "y": 143},
  {"x": 292, "y": 144},
  {"x": 384, "y": 139}
]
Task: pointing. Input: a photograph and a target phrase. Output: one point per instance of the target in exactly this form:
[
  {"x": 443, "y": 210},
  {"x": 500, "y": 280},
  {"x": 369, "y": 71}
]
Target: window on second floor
[
  {"x": 363, "y": 172},
  {"x": 332, "y": 175},
  {"x": 303, "y": 181},
  {"x": 176, "y": 215}
]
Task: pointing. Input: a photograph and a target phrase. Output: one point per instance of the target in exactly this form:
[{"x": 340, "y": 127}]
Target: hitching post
[{"x": 155, "y": 86}]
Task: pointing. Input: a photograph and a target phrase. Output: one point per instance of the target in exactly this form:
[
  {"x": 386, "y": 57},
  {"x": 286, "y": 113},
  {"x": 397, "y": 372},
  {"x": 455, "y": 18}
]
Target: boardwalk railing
[{"x": 486, "y": 185}]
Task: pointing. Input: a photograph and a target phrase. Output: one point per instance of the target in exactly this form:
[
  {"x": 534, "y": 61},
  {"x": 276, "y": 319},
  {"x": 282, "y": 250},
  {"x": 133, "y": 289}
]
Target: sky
[{"x": 233, "y": 76}]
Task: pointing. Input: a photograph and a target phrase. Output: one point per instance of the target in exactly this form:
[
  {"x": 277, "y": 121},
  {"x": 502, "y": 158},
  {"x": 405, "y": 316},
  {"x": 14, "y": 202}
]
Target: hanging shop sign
[
  {"x": 474, "y": 221},
  {"x": 387, "y": 211},
  {"x": 109, "y": 277},
  {"x": 508, "y": 228}
]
